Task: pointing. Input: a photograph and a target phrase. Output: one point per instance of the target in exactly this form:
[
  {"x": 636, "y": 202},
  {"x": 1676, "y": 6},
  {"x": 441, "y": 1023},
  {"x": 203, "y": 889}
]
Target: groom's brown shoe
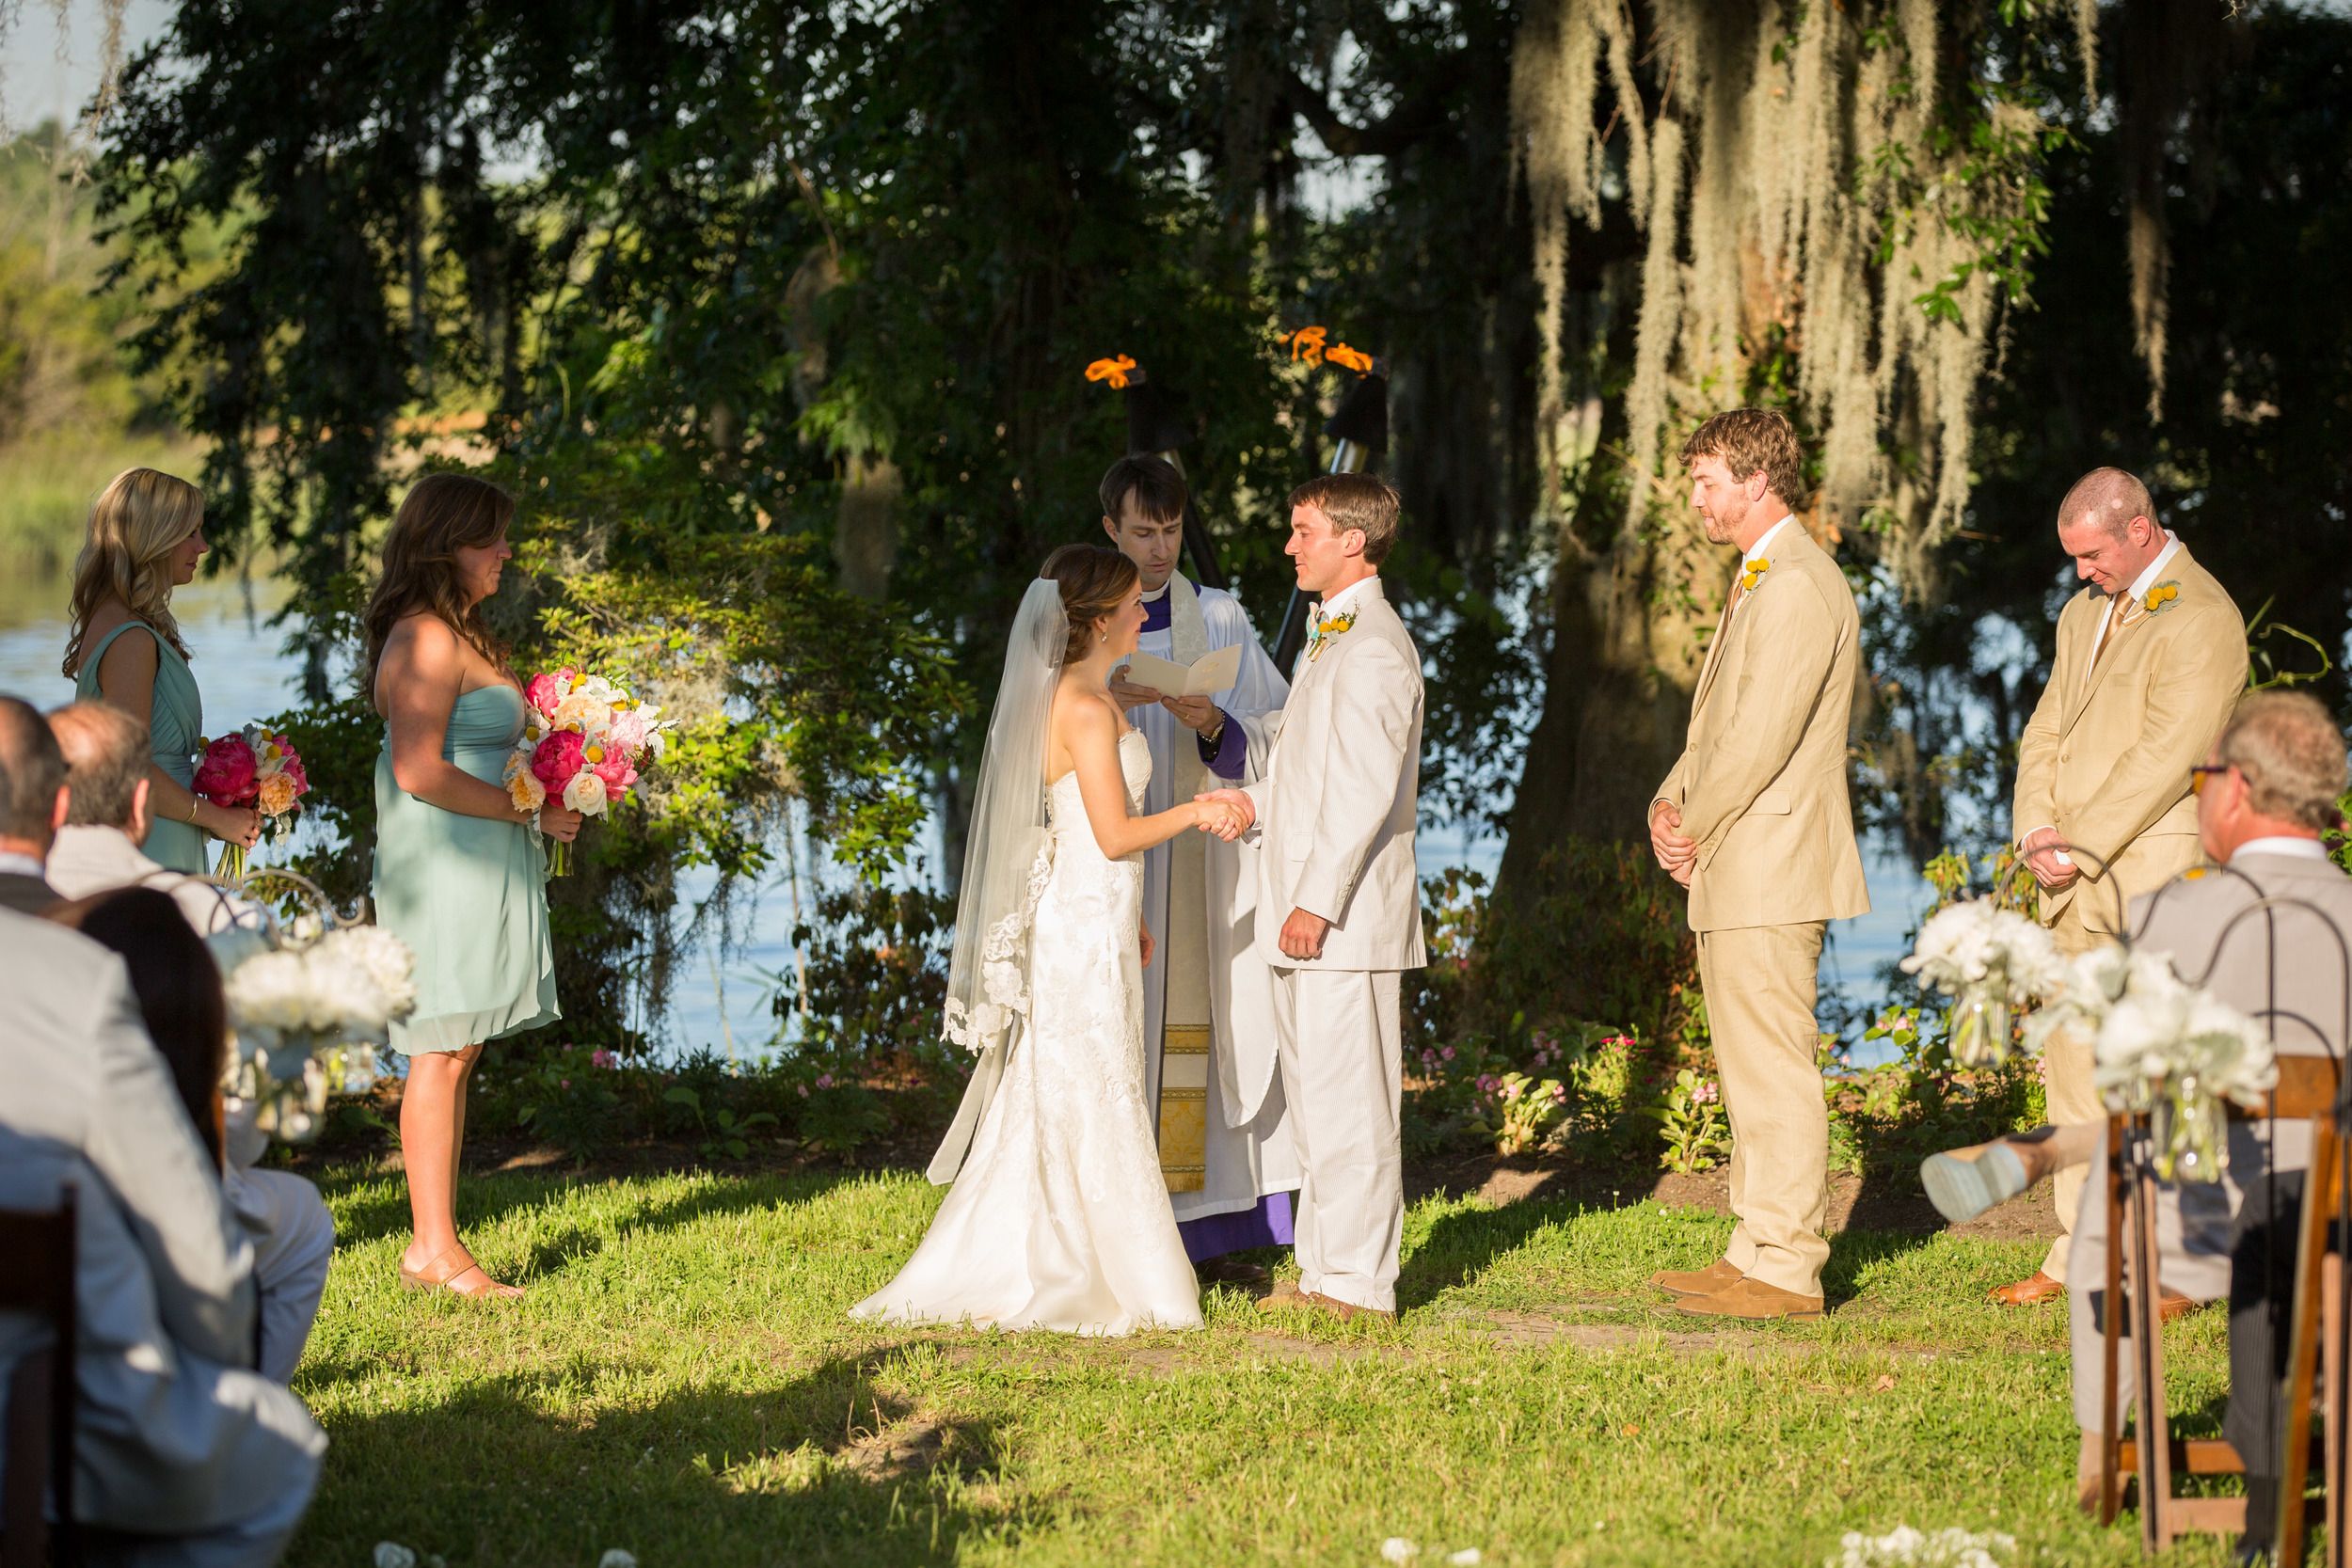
[
  {"x": 1284, "y": 1297},
  {"x": 1344, "y": 1311},
  {"x": 1752, "y": 1299},
  {"x": 1718, "y": 1275}
]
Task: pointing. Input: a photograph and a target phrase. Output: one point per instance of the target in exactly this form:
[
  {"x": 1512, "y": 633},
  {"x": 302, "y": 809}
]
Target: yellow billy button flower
[
  {"x": 2161, "y": 595},
  {"x": 1755, "y": 574}
]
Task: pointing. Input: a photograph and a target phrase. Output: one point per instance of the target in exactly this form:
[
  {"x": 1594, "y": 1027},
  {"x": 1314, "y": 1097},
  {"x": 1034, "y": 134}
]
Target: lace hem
[{"x": 1003, "y": 974}]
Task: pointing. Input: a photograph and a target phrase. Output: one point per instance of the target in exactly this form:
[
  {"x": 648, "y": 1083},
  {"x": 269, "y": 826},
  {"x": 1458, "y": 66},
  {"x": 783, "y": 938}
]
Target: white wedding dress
[{"x": 1061, "y": 1218}]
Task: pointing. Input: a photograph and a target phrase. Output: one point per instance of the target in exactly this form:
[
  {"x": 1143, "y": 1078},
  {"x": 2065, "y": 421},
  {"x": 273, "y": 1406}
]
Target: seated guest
[
  {"x": 183, "y": 1455},
  {"x": 32, "y": 805},
  {"x": 107, "y": 755},
  {"x": 180, "y": 998},
  {"x": 2264, "y": 796}
]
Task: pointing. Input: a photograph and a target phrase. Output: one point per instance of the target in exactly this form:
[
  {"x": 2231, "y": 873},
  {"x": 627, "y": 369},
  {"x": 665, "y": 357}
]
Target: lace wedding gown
[{"x": 1061, "y": 1218}]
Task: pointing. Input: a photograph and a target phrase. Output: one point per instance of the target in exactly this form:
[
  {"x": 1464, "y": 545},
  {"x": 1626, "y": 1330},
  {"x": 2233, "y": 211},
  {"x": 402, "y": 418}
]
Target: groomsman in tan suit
[
  {"x": 1754, "y": 820},
  {"x": 2151, "y": 656}
]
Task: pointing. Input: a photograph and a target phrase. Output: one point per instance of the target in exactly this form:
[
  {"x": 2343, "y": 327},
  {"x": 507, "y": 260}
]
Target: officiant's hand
[
  {"x": 2041, "y": 849},
  {"x": 1675, "y": 852},
  {"x": 1302, "y": 935},
  {"x": 1194, "y": 713},
  {"x": 1130, "y": 695}
]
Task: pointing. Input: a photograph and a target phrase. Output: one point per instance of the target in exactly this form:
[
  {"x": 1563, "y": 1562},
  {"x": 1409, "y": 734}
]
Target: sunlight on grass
[{"x": 682, "y": 1382}]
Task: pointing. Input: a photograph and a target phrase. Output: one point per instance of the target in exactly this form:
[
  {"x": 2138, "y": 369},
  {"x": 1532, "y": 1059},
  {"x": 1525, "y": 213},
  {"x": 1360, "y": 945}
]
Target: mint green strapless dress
[
  {"x": 467, "y": 893},
  {"x": 174, "y": 726}
]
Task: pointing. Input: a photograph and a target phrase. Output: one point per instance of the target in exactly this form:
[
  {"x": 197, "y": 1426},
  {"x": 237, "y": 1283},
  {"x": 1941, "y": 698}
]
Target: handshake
[{"x": 1227, "y": 812}]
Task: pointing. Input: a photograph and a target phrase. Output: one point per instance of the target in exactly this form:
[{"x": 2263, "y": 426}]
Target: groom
[{"x": 1339, "y": 903}]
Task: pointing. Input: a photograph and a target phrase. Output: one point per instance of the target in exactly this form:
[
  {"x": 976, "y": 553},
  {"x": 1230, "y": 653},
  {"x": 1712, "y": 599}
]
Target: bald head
[
  {"x": 106, "y": 759},
  {"x": 2108, "y": 524},
  {"x": 32, "y": 781}
]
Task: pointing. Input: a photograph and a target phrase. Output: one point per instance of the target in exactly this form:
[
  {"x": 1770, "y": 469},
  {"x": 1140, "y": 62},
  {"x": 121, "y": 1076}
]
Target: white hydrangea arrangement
[
  {"x": 2175, "y": 1053},
  {"x": 1991, "y": 962},
  {"x": 309, "y": 1015}
]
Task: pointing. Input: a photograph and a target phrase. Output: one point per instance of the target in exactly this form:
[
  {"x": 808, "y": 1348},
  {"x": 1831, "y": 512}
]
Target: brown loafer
[
  {"x": 2030, "y": 1292},
  {"x": 1754, "y": 1300},
  {"x": 1718, "y": 1275},
  {"x": 1283, "y": 1298},
  {"x": 1345, "y": 1311}
]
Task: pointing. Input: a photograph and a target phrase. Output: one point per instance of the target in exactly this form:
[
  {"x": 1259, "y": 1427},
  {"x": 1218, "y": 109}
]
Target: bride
[{"x": 1060, "y": 1217}]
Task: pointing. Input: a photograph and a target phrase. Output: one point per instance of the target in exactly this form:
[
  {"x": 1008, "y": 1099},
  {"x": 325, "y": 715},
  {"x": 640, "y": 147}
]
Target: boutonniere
[
  {"x": 1754, "y": 574},
  {"x": 2162, "y": 594},
  {"x": 1325, "y": 631}
]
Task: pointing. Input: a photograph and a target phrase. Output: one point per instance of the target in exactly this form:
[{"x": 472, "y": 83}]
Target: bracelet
[
  {"x": 1210, "y": 738},
  {"x": 193, "y": 801}
]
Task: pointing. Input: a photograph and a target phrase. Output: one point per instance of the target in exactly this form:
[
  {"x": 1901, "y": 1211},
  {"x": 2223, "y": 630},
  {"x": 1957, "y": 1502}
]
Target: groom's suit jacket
[
  {"x": 1339, "y": 797},
  {"x": 1761, "y": 783},
  {"x": 2106, "y": 757}
]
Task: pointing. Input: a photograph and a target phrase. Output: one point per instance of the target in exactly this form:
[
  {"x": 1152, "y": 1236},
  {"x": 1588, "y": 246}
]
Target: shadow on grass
[
  {"x": 484, "y": 1199},
  {"x": 821, "y": 1467},
  {"x": 1461, "y": 1246}
]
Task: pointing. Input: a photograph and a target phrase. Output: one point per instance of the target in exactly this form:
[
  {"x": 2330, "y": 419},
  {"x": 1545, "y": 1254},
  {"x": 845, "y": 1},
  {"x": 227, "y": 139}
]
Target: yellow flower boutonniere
[
  {"x": 2162, "y": 594},
  {"x": 1755, "y": 574},
  {"x": 1325, "y": 631}
]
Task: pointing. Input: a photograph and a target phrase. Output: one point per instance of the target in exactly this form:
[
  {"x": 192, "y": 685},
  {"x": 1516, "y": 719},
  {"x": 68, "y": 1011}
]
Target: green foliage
[{"x": 1691, "y": 1121}]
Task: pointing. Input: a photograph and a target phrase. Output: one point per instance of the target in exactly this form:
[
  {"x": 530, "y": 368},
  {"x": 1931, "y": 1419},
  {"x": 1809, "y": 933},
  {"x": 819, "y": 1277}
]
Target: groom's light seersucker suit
[
  {"x": 1761, "y": 786},
  {"x": 1336, "y": 813}
]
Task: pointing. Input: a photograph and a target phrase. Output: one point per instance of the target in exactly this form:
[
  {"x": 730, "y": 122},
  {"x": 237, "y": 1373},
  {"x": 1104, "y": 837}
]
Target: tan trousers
[
  {"x": 2066, "y": 1082},
  {"x": 1760, "y": 984}
]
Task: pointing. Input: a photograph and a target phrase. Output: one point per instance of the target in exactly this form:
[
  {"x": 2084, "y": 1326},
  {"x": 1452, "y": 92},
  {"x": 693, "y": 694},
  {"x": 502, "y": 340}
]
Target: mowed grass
[{"x": 682, "y": 1382}]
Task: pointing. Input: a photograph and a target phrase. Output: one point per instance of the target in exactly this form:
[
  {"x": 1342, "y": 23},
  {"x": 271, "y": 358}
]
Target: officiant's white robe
[{"x": 1249, "y": 1143}]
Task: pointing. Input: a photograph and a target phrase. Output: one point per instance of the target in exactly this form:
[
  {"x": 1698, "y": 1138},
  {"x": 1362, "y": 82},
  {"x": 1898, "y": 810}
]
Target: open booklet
[{"x": 1215, "y": 673}]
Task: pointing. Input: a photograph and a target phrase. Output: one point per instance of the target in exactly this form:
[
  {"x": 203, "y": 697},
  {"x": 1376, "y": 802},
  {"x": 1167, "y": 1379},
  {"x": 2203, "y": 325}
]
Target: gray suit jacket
[
  {"x": 177, "y": 1436},
  {"x": 2296, "y": 978},
  {"x": 1340, "y": 798}
]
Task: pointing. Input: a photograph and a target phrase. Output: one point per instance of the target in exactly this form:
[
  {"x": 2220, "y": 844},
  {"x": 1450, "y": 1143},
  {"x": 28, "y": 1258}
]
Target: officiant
[{"x": 1208, "y": 1024}]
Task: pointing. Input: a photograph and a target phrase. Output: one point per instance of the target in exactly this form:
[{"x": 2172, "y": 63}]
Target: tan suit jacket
[
  {"x": 2106, "y": 760},
  {"x": 1761, "y": 783}
]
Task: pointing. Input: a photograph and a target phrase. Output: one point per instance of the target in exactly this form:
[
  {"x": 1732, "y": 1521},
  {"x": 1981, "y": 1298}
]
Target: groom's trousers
[
  {"x": 1336, "y": 1032},
  {"x": 1760, "y": 983}
]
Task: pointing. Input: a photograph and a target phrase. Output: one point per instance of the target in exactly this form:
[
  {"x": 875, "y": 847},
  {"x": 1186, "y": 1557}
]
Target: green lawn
[{"x": 682, "y": 1382}]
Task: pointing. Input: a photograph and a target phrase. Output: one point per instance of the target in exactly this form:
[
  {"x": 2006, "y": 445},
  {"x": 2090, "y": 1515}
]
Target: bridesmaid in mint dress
[
  {"x": 459, "y": 875},
  {"x": 146, "y": 533}
]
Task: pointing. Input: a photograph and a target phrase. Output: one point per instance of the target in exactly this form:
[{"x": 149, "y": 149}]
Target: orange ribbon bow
[
  {"x": 1113, "y": 370},
  {"x": 1354, "y": 359},
  {"x": 1306, "y": 343}
]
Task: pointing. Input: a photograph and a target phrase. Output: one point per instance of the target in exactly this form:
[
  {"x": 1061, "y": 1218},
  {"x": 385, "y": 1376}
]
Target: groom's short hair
[
  {"x": 1356, "y": 501},
  {"x": 1748, "y": 440},
  {"x": 1158, "y": 488}
]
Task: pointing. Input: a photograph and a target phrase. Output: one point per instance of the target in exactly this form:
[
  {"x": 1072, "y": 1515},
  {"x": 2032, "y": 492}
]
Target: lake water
[{"x": 722, "y": 1000}]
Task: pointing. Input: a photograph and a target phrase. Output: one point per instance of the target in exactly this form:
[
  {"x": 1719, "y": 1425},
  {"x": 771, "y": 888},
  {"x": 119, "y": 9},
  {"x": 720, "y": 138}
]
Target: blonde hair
[{"x": 135, "y": 525}]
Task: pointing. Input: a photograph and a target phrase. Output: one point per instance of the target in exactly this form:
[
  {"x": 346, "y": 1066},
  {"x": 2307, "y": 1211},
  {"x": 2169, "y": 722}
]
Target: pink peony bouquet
[
  {"x": 583, "y": 738},
  {"x": 252, "y": 768}
]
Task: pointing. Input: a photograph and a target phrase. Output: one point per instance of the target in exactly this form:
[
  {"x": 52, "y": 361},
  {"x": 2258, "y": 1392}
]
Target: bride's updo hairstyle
[{"x": 1094, "y": 583}]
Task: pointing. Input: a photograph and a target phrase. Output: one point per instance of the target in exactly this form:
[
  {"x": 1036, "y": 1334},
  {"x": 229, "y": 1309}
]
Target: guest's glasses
[{"x": 2204, "y": 771}]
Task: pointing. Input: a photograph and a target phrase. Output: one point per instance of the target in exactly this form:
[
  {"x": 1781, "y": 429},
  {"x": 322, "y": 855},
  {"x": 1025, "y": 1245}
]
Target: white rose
[{"x": 585, "y": 794}]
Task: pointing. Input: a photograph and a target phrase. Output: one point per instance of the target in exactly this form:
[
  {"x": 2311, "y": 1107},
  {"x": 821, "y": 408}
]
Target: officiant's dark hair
[
  {"x": 1094, "y": 582},
  {"x": 1159, "y": 489}
]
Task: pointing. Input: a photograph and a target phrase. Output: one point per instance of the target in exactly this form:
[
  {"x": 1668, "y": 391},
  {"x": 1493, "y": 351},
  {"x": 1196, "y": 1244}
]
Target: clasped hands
[
  {"x": 2041, "y": 849},
  {"x": 1227, "y": 812},
  {"x": 1675, "y": 852}
]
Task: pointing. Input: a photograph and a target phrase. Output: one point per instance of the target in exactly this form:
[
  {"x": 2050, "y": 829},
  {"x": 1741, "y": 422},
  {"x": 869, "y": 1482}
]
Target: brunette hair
[
  {"x": 1094, "y": 582},
  {"x": 441, "y": 514},
  {"x": 135, "y": 525},
  {"x": 177, "y": 986},
  {"x": 1158, "y": 488},
  {"x": 1357, "y": 501},
  {"x": 1748, "y": 440}
]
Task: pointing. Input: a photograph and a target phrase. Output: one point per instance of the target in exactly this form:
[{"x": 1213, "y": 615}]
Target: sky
[{"x": 46, "y": 76}]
